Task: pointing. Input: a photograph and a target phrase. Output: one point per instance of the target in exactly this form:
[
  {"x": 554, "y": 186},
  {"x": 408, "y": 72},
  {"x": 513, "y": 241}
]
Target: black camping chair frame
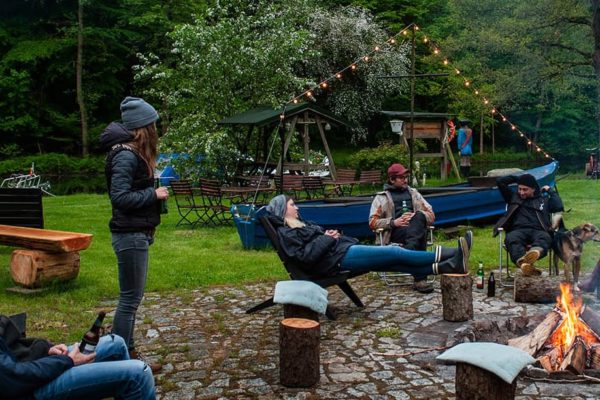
[{"x": 296, "y": 273}]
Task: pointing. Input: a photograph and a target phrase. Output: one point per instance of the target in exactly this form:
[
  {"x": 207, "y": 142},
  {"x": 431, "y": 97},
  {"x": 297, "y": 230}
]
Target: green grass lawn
[{"x": 182, "y": 258}]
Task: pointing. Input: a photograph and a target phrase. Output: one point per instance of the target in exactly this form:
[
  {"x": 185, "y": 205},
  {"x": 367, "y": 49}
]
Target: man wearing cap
[
  {"x": 527, "y": 220},
  {"x": 403, "y": 215}
]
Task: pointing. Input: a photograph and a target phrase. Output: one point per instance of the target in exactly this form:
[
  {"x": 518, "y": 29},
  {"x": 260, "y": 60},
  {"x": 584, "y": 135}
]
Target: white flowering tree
[{"x": 238, "y": 56}]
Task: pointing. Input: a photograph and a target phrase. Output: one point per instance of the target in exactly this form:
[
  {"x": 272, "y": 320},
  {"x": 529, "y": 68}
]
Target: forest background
[{"x": 66, "y": 65}]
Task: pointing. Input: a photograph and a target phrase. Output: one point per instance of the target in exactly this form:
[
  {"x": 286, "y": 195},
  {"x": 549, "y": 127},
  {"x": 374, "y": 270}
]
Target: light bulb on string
[
  {"x": 476, "y": 92},
  {"x": 503, "y": 119},
  {"x": 377, "y": 48},
  {"x": 338, "y": 75},
  {"x": 392, "y": 41},
  {"x": 366, "y": 58},
  {"x": 436, "y": 51},
  {"x": 295, "y": 101},
  {"x": 323, "y": 85},
  {"x": 425, "y": 40},
  {"x": 353, "y": 67},
  {"x": 309, "y": 94},
  {"x": 282, "y": 116},
  {"x": 486, "y": 101},
  {"x": 521, "y": 134},
  {"x": 513, "y": 127},
  {"x": 446, "y": 61},
  {"x": 493, "y": 111},
  {"x": 457, "y": 71},
  {"x": 538, "y": 149},
  {"x": 529, "y": 142},
  {"x": 467, "y": 83},
  {"x": 416, "y": 28},
  {"x": 405, "y": 32}
]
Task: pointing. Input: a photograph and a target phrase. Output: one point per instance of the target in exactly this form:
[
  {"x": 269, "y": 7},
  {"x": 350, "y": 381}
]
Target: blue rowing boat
[{"x": 476, "y": 201}]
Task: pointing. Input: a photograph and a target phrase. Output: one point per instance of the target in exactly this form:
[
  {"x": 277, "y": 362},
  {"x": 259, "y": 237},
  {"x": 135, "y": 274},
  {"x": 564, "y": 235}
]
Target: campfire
[{"x": 568, "y": 337}]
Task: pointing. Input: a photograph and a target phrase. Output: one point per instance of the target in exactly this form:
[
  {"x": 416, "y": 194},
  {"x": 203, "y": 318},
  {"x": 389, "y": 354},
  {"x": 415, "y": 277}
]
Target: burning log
[
  {"x": 534, "y": 341},
  {"x": 595, "y": 356},
  {"x": 591, "y": 318},
  {"x": 574, "y": 360},
  {"x": 551, "y": 360},
  {"x": 535, "y": 289}
]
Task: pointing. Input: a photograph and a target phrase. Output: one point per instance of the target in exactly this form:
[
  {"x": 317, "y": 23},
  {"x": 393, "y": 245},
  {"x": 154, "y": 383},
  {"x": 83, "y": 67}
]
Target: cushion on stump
[
  {"x": 504, "y": 361},
  {"x": 301, "y": 293}
]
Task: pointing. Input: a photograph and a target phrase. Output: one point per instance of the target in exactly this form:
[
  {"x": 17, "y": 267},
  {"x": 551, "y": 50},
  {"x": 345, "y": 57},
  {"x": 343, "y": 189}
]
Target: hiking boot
[
  {"x": 469, "y": 239},
  {"x": 529, "y": 270},
  {"x": 136, "y": 355},
  {"x": 459, "y": 264},
  {"x": 423, "y": 286}
]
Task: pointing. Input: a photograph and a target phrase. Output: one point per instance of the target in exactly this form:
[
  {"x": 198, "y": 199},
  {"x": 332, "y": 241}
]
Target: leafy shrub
[{"x": 382, "y": 156}]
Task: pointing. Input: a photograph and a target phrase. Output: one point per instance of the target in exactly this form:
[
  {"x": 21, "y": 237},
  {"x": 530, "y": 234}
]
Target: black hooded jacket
[
  {"x": 131, "y": 190},
  {"x": 532, "y": 213},
  {"x": 314, "y": 252}
]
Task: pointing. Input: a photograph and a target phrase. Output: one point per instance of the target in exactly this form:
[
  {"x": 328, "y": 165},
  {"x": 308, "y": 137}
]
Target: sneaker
[
  {"x": 136, "y": 355},
  {"x": 532, "y": 255},
  {"x": 529, "y": 270},
  {"x": 423, "y": 286}
]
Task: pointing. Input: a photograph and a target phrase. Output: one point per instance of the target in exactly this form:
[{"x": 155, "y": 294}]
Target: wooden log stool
[
  {"x": 457, "y": 297},
  {"x": 301, "y": 299},
  {"x": 48, "y": 256},
  {"x": 486, "y": 370},
  {"x": 299, "y": 364},
  {"x": 537, "y": 289}
]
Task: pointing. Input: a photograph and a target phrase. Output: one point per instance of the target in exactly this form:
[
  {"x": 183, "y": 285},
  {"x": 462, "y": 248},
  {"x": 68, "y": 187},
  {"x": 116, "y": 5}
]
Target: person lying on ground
[{"x": 323, "y": 252}]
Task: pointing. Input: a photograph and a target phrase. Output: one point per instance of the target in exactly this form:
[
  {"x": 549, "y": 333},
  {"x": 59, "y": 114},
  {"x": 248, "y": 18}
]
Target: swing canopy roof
[
  {"x": 264, "y": 116},
  {"x": 418, "y": 115}
]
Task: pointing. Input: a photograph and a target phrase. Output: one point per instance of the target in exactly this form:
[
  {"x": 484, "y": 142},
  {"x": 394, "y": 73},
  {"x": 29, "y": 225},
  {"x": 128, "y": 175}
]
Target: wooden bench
[{"x": 48, "y": 256}]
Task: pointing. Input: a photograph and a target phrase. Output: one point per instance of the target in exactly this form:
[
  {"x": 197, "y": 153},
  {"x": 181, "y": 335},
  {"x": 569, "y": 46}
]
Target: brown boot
[
  {"x": 529, "y": 270},
  {"x": 590, "y": 284},
  {"x": 135, "y": 355}
]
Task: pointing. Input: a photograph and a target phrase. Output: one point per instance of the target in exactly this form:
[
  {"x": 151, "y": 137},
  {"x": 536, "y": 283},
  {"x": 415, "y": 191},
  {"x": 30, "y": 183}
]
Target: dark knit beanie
[
  {"x": 136, "y": 113},
  {"x": 527, "y": 180}
]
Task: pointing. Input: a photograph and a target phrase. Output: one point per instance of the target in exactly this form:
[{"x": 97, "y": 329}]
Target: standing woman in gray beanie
[{"x": 132, "y": 147}]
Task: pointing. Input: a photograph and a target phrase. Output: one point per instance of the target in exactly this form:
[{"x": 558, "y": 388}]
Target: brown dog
[{"x": 569, "y": 247}]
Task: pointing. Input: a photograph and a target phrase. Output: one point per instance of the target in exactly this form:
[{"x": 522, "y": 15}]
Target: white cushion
[{"x": 301, "y": 293}]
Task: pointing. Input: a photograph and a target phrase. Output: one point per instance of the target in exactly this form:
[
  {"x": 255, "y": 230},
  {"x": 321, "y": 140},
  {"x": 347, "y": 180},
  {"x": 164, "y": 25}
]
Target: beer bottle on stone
[{"x": 90, "y": 339}]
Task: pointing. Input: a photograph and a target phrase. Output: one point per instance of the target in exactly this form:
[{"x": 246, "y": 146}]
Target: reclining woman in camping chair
[{"x": 325, "y": 252}]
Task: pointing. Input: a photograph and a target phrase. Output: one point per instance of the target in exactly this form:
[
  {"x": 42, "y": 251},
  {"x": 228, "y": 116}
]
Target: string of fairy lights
[{"x": 325, "y": 84}]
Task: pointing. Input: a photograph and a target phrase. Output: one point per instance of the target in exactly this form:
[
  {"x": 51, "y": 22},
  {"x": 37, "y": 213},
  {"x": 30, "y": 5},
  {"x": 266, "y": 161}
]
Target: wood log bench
[{"x": 49, "y": 255}]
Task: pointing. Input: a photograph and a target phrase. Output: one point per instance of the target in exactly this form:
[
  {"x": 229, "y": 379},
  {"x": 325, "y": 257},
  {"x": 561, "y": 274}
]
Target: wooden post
[
  {"x": 474, "y": 383},
  {"x": 299, "y": 352},
  {"x": 457, "y": 297},
  {"x": 536, "y": 289},
  {"x": 34, "y": 268},
  {"x": 294, "y": 311}
]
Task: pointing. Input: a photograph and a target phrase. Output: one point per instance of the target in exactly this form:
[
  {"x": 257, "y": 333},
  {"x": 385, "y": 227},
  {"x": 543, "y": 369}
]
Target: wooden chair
[
  {"x": 313, "y": 187},
  {"x": 190, "y": 210},
  {"x": 371, "y": 177},
  {"x": 291, "y": 185},
  {"x": 212, "y": 197},
  {"x": 344, "y": 181},
  {"x": 295, "y": 272}
]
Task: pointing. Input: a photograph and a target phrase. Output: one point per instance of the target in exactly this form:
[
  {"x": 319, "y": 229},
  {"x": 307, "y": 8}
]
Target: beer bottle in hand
[{"x": 90, "y": 339}]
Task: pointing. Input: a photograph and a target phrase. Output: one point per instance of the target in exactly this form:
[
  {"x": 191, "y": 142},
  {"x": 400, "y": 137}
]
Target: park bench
[
  {"x": 371, "y": 177},
  {"x": 344, "y": 181},
  {"x": 49, "y": 255}
]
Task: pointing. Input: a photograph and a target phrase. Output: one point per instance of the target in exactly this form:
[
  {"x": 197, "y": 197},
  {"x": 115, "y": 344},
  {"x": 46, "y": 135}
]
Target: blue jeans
[
  {"x": 361, "y": 258},
  {"x": 112, "y": 374},
  {"x": 131, "y": 249}
]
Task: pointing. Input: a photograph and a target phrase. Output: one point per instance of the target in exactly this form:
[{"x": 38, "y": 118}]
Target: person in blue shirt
[
  {"x": 65, "y": 373},
  {"x": 465, "y": 147}
]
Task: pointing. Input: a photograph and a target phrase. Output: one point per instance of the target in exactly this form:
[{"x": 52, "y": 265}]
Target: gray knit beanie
[
  {"x": 135, "y": 113},
  {"x": 278, "y": 205}
]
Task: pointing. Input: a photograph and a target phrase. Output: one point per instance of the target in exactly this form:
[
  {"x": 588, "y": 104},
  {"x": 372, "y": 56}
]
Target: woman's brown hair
[{"x": 145, "y": 142}]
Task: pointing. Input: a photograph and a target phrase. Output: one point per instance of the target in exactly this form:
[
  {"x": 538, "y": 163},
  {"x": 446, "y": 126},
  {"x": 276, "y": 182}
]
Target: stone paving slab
[{"x": 212, "y": 349}]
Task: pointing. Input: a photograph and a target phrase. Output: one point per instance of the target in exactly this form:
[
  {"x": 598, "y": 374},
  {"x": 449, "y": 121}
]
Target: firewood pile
[{"x": 567, "y": 342}]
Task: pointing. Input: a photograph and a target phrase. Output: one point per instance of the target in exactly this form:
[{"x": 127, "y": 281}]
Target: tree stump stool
[
  {"x": 299, "y": 364},
  {"x": 537, "y": 289},
  {"x": 474, "y": 383},
  {"x": 457, "y": 297},
  {"x": 295, "y": 311},
  {"x": 35, "y": 268}
]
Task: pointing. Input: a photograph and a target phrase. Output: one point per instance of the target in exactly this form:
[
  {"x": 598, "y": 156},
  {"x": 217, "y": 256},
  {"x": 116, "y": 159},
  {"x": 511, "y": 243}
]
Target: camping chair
[
  {"x": 296, "y": 273},
  {"x": 189, "y": 210},
  {"x": 502, "y": 249},
  {"x": 402, "y": 278}
]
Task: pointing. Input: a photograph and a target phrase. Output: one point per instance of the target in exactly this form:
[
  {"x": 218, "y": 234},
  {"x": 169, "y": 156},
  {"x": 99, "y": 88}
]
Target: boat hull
[{"x": 452, "y": 205}]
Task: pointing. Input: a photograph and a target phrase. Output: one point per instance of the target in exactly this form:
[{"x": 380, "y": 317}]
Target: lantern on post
[{"x": 397, "y": 127}]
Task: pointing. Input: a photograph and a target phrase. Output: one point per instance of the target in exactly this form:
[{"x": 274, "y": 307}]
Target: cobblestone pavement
[{"x": 211, "y": 349}]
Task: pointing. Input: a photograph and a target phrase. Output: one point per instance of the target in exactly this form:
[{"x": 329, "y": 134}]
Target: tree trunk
[
  {"x": 79, "y": 66},
  {"x": 36, "y": 268}
]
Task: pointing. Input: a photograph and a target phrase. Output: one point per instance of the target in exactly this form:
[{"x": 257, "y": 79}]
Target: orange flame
[{"x": 571, "y": 326}]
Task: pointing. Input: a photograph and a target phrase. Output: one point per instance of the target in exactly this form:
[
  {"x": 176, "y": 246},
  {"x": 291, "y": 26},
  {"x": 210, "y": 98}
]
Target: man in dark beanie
[
  {"x": 527, "y": 220},
  {"x": 401, "y": 215}
]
